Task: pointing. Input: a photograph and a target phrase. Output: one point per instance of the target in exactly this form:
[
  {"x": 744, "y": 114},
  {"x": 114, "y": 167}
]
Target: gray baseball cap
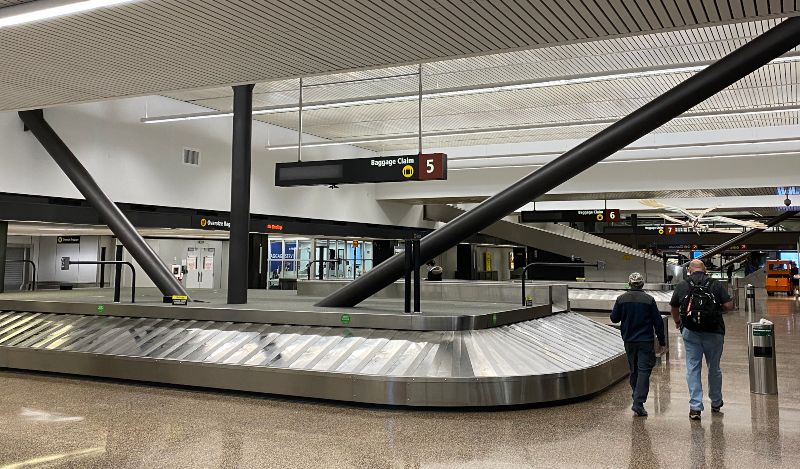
[{"x": 635, "y": 279}]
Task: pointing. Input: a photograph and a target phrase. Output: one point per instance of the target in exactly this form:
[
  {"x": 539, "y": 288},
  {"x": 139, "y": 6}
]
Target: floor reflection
[
  {"x": 142, "y": 425},
  {"x": 765, "y": 422},
  {"x": 641, "y": 454}
]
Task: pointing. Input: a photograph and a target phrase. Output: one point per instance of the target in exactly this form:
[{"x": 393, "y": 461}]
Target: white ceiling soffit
[
  {"x": 150, "y": 47},
  {"x": 554, "y": 108},
  {"x": 632, "y": 195}
]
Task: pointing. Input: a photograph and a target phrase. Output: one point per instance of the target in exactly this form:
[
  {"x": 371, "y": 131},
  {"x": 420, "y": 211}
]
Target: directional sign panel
[
  {"x": 666, "y": 230},
  {"x": 542, "y": 216},
  {"x": 425, "y": 167}
]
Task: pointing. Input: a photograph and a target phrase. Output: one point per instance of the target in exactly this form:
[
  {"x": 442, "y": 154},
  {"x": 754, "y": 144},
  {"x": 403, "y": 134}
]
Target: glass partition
[{"x": 337, "y": 258}]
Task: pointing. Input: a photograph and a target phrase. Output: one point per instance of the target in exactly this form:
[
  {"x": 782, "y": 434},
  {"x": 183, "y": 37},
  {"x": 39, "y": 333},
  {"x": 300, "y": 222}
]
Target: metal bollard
[
  {"x": 750, "y": 299},
  {"x": 761, "y": 354}
]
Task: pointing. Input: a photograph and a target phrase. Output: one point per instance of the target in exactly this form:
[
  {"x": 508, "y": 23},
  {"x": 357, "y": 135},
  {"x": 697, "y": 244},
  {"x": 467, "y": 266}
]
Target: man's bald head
[{"x": 696, "y": 266}]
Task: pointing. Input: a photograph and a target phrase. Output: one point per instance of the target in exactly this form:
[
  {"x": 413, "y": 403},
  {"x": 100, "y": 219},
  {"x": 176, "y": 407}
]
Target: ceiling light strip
[
  {"x": 642, "y": 160},
  {"x": 522, "y": 128},
  {"x": 461, "y": 91},
  {"x": 676, "y": 146},
  {"x": 46, "y": 9}
]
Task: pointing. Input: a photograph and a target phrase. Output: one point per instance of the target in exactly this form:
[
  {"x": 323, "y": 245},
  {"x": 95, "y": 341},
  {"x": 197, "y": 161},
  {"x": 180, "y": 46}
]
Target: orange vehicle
[{"x": 779, "y": 277}]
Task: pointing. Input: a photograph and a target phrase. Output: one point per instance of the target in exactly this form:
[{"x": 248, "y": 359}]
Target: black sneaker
[
  {"x": 694, "y": 415},
  {"x": 718, "y": 408},
  {"x": 639, "y": 410}
]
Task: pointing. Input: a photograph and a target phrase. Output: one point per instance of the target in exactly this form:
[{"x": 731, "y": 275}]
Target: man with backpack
[
  {"x": 640, "y": 317},
  {"x": 697, "y": 307}
]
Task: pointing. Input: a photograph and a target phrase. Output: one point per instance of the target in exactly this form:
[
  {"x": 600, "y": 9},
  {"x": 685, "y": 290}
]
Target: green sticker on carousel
[
  {"x": 345, "y": 319},
  {"x": 494, "y": 318},
  {"x": 101, "y": 308}
]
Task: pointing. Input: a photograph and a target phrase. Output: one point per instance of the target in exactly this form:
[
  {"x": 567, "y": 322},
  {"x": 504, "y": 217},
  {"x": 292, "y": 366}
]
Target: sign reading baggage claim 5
[{"x": 425, "y": 167}]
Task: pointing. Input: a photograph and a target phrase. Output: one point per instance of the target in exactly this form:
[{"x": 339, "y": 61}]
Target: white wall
[
  {"x": 750, "y": 171},
  {"x": 47, "y": 254},
  {"x": 174, "y": 251},
  {"x": 142, "y": 163},
  {"x": 694, "y": 165}
]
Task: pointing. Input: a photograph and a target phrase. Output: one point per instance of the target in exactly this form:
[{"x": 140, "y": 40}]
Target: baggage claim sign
[{"x": 425, "y": 167}]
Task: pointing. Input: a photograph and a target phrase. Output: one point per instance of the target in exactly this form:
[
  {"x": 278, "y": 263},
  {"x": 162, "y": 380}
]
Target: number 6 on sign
[
  {"x": 434, "y": 165},
  {"x": 611, "y": 215}
]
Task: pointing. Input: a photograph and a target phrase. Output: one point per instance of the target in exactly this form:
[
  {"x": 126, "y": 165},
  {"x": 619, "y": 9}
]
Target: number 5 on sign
[{"x": 432, "y": 166}]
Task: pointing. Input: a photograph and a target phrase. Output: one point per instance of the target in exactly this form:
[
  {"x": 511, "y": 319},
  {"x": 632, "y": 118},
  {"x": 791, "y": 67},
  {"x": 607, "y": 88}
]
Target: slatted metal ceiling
[
  {"x": 585, "y": 58},
  {"x": 149, "y": 47},
  {"x": 773, "y": 85}
]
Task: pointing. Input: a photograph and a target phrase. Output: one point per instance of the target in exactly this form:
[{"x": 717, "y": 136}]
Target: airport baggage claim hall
[{"x": 399, "y": 234}]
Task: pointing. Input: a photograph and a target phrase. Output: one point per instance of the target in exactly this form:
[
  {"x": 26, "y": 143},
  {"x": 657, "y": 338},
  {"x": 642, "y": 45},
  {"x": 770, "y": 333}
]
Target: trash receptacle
[{"x": 761, "y": 351}]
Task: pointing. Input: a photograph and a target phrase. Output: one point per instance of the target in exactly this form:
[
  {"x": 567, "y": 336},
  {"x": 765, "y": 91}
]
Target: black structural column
[
  {"x": 240, "y": 193},
  {"x": 3, "y": 246},
  {"x": 644, "y": 120},
  {"x": 152, "y": 265}
]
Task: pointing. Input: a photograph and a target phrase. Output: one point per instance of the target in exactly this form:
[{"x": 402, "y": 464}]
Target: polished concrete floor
[{"x": 58, "y": 421}]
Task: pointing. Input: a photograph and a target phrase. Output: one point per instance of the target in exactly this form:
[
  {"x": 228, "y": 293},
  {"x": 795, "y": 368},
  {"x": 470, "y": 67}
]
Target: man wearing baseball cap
[{"x": 639, "y": 315}]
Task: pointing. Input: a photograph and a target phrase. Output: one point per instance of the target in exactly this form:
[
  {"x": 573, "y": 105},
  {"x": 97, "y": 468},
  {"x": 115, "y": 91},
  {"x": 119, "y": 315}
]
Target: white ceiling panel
[
  {"x": 557, "y": 104},
  {"x": 772, "y": 86},
  {"x": 156, "y": 46}
]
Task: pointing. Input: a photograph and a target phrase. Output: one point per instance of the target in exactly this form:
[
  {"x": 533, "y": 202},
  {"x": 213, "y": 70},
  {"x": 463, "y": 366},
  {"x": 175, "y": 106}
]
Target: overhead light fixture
[
  {"x": 522, "y": 128},
  {"x": 641, "y": 160},
  {"x": 46, "y": 9},
  {"x": 461, "y": 91},
  {"x": 455, "y": 133},
  {"x": 675, "y": 146}
]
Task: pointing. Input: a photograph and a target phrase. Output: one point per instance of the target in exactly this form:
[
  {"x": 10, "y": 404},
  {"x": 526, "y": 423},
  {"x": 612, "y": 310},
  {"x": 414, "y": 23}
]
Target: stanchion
[
  {"x": 409, "y": 258},
  {"x": 750, "y": 299}
]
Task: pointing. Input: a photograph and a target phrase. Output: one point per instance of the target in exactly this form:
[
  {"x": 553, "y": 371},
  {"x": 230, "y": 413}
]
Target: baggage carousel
[
  {"x": 524, "y": 357},
  {"x": 603, "y": 300},
  {"x": 578, "y": 296}
]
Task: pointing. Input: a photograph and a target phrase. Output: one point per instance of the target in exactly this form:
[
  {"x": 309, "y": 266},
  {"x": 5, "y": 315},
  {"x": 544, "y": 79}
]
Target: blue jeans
[
  {"x": 699, "y": 344},
  {"x": 641, "y": 360}
]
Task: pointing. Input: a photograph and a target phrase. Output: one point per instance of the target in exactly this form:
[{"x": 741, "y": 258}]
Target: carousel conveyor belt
[{"x": 560, "y": 356}]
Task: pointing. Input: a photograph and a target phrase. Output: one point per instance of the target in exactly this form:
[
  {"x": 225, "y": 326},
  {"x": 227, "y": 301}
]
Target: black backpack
[{"x": 699, "y": 309}]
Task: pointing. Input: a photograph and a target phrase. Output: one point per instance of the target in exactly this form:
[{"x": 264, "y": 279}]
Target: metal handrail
[
  {"x": 598, "y": 264},
  {"x": 308, "y": 267},
  {"x": 33, "y": 265},
  {"x": 117, "y": 280}
]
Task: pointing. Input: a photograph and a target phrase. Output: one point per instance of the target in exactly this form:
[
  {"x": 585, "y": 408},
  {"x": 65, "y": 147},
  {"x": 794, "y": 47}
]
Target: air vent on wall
[{"x": 191, "y": 156}]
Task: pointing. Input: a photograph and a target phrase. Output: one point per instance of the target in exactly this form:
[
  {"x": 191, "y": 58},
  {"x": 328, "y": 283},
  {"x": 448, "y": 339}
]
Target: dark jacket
[{"x": 640, "y": 316}]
